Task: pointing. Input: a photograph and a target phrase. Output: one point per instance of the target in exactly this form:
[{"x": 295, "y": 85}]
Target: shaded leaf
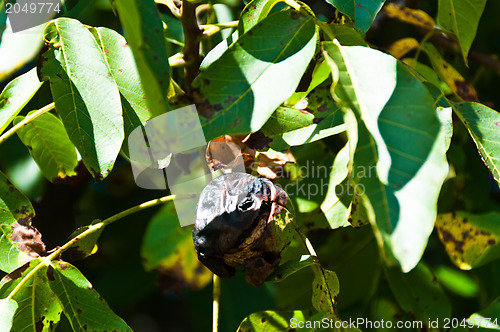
[
  {"x": 85, "y": 246},
  {"x": 459, "y": 282},
  {"x": 216, "y": 52},
  {"x": 123, "y": 68},
  {"x": 461, "y": 18},
  {"x": 325, "y": 291},
  {"x": 362, "y": 12},
  {"x": 450, "y": 75},
  {"x": 16, "y": 95},
  {"x": 8, "y": 308},
  {"x": 167, "y": 247},
  {"x": 290, "y": 267},
  {"x": 15, "y": 215},
  {"x": 391, "y": 111},
  {"x": 488, "y": 318},
  {"x": 49, "y": 145},
  {"x": 254, "y": 76},
  {"x": 39, "y": 308},
  {"x": 429, "y": 75},
  {"x": 85, "y": 94},
  {"x": 419, "y": 293},
  {"x": 347, "y": 36},
  {"x": 483, "y": 124},
  {"x": 144, "y": 32},
  {"x": 82, "y": 305},
  {"x": 470, "y": 240},
  {"x": 412, "y": 16}
]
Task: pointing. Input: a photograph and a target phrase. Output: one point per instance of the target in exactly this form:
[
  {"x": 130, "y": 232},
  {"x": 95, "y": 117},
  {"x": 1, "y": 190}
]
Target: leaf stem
[
  {"x": 216, "y": 296},
  {"x": 191, "y": 50},
  {"x": 211, "y": 29},
  {"x": 26, "y": 120},
  {"x": 91, "y": 229}
]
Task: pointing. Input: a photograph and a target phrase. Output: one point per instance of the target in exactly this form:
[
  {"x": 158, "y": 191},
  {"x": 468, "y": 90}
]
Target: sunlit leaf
[
  {"x": 85, "y": 94},
  {"x": 18, "y": 49},
  {"x": 123, "y": 68},
  {"x": 274, "y": 321},
  {"x": 82, "y": 305},
  {"x": 8, "y": 308},
  {"x": 362, "y": 12},
  {"x": 483, "y": 124},
  {"x": 488, "y": 318},
  {"x": 461, "y": 17},
  {"x": 16, "y": 95},
  {"x": 470, "y": 240},
  {"x": 144, "y": 33},
  {"x": 49, "y": 145},
  {"x": 458, "y": 282},
  {"x": 39, "y": 308},
  {"x": 325, "y": 291},
  {"x": 271, "y": 58},
  {"x": 391, "y": 111}
]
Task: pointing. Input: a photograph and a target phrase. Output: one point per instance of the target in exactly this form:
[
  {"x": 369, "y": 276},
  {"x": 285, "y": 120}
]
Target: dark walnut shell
[{"x": 242, "y": 220}]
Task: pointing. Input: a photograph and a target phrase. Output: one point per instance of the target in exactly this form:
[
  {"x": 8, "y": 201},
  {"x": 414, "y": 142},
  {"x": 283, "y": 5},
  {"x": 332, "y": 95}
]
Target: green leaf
[
  {"x": 419, "y": 294},
  {"x": 347, "y": 35},
  {"x": 274, "y": 321},
  {"x": 459, "y": 282},
  {"x": 144, "y": 33},
  {"x": 325, "y": 291},
  {"x": 471, "y": 240},
  {"x": 8, "y": 308},
  {"x": 488, "y": 318},
  {"x": 291, "y": 126},
  {"x": 83, "y": 306},
  {"x": 85, "y": 94},
  {"x": 483, "y": 125},
  {"x": 169, "y": 248},
  {"x": 254, "y": 12},
  {"x": 461, "y": 18},
  {"x": 256, "y": 74},
  {"x": 18, "y": 49},
  {"x": 39, "y": 308},
  {"x": 86, "y": 246},
  {"x": 16, "y": 95},
  {"x": 362, "y": 12},
  {"x": 123, "y": 68},
  {"x": 391, "y": 110},
  {"x": 290, "y": 267},
  {"x": 49, "y": 145},
  {"x": 14, "y": 207}
]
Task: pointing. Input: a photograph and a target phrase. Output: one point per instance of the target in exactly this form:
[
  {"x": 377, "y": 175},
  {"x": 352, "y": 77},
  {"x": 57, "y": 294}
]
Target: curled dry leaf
[
  {"x": 27, "y": 238},
  {"x": 230, "y": 152}
]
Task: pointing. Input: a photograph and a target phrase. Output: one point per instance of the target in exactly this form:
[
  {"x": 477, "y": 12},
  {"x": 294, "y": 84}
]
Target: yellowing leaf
[
  {"x": 450, "y": 75},
  {"x": 400, "y": 47},
  {"x": 411, "y": 16},
  {"x": 471, "y": 240}
]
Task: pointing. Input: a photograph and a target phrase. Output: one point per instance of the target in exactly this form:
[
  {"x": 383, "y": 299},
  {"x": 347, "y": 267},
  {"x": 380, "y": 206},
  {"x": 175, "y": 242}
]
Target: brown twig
[{"x": 192, "y": 33}]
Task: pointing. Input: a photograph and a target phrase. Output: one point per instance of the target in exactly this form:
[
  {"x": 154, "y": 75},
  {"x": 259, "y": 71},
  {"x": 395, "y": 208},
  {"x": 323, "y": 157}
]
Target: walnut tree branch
[{"x": 192, "y": 33}]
